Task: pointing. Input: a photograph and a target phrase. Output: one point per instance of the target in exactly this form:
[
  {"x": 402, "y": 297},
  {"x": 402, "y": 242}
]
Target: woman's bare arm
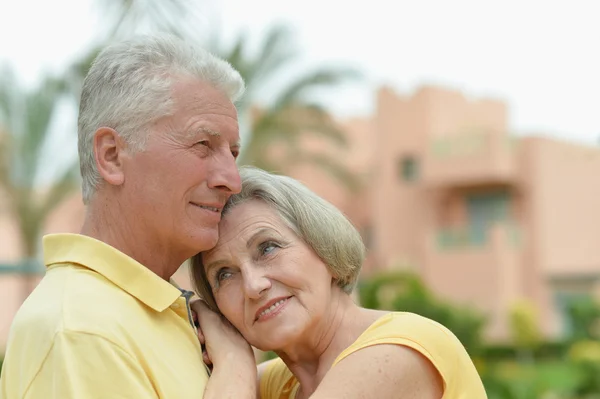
[{"x": 384, "y": 372}]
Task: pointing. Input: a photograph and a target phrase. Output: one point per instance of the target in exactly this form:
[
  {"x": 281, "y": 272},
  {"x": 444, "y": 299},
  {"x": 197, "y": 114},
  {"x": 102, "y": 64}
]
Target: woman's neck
[{"x": 311, "y": 360}]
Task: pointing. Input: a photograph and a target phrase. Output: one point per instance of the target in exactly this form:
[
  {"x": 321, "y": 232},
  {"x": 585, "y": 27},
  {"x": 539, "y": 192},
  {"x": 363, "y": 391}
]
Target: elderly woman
[{"x": 282, "y": 273}]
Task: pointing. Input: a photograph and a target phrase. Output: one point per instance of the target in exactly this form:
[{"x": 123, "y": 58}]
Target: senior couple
[{"x": 273, "y": 263}]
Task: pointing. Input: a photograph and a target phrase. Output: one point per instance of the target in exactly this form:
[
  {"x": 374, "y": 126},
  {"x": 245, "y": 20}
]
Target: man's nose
[{"x": 225, "y": 176}]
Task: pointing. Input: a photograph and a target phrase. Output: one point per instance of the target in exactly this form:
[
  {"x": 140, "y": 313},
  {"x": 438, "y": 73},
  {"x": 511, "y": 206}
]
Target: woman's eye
[
  {"x": 223, "y": 275},
  {"x": 267, "y": 247}
]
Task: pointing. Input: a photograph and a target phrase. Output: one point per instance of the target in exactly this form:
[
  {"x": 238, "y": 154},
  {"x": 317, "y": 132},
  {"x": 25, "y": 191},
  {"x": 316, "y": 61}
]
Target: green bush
[
  {"x": 584, "y": 355},
  {"x": 546, "y": 350},
  {"x": 514, "y": 380},
  {"x": 584, "y": 317}
]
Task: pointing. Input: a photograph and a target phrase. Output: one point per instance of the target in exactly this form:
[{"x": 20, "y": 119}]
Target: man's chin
[{"x": 207, "y": 239}]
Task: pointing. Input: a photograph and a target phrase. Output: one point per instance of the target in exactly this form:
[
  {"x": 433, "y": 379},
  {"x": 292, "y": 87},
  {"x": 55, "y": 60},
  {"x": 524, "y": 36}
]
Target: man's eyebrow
[
  {"x": 192, "y": 133},
  {"x": 210, "y": 132}
]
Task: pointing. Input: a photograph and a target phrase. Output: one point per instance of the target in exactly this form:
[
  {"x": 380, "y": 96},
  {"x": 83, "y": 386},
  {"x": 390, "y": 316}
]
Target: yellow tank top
[{"x": 431, "y": 339}]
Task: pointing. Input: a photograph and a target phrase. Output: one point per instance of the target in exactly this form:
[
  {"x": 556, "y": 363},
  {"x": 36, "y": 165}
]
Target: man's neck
[{"x": 129, "y": 237}]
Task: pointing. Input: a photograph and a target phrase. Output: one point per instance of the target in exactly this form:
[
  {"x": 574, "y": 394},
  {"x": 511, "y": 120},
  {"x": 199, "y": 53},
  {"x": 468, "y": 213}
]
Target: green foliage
[
  {"x": 123, "y": 17},
  {"x": 25, "y": 117},
  {"x": 524, "y": 326},
  {"x": 268, "y": 356},
  {"x": 271, "y": 135},
  {"x": 584, "y": 355},
  {"x": 544, "y": 351},
  {"x": 513, "y": 380},
  {"x": 406, "y": 292},
  {"x": 584, "y": 316},
  {"x": 273, "y": 139}
]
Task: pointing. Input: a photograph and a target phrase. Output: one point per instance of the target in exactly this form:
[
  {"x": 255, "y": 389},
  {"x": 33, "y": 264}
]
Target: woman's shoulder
[
  {"x": 408, "y": 329},
  {"x": 426, "y": 336},
  {"x": 411, "y": 324}
]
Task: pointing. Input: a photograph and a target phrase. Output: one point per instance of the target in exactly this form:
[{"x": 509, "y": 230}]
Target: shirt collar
[{"x": 122, "y": 270}]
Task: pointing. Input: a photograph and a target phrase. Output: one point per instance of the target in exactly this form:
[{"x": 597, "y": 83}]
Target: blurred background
[{"x": 461, "y": 138}]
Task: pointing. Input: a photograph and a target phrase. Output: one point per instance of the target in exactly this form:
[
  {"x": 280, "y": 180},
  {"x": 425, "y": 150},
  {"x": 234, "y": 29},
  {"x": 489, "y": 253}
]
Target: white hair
[{"x": 128, "y": 88}]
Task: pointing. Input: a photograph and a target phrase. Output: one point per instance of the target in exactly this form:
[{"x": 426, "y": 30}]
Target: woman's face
[{"x": 266, "y": 281}]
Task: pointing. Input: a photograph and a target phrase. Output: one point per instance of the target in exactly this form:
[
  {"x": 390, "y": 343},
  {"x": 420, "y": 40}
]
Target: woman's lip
[{"x": 266, "y": 306}]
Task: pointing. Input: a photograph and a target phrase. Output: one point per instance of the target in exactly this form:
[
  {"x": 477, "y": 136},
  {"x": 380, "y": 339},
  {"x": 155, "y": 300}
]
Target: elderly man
[{"x": 158, "y": 139}]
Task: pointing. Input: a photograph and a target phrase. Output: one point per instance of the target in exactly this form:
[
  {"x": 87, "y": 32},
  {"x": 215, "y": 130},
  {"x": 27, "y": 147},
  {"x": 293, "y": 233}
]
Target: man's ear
[{"x": 109, "y": 149}]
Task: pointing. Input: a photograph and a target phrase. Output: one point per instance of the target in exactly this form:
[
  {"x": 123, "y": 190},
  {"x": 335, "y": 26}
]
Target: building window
[
  {"x": 484, "y": 210},
  {"x": 408, "y": 168}
]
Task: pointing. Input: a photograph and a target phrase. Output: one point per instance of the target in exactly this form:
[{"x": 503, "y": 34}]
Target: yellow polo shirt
[{"x": 101, "y": 325}]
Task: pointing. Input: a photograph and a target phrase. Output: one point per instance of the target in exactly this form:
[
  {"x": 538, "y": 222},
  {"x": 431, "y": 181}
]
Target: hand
[
  {"x": 222, "y": 341},
  {"x": 234, "y": 373}
]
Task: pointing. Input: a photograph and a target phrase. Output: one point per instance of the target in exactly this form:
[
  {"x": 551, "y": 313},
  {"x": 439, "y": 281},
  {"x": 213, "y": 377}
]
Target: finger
[
  {"x": 205, "y": 314},
  {"x": 198, "y": 306},
  {"x": 201, "y": 337},
  {"x": 206, "y": 358}
]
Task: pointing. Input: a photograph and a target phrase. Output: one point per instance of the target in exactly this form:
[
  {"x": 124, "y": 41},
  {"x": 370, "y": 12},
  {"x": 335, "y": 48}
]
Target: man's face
[{"x": 178, "y": 184}]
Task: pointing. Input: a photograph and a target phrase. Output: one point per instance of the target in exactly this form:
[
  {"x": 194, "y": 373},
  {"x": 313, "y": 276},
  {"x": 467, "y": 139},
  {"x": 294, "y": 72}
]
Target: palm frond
[
  {"x": 7, "y": 93},
  {"x": 5, "y": 161},
  {"x": 79, "y": 69},
  {"x": 59, "y": 190},
  {"x": 288, "y": 124},
  {"x": 318, "y": 79},
  {"x": 39, "y": 107},
  {"x": 29, "y": 223},
  {"x": 236, "y": 56},
  {"x": 128, "y": 16},
  {"x": 330, "y": 166},
  {"x": 276, "y": 50}
]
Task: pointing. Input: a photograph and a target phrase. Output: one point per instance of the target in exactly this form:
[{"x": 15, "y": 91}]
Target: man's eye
[
  {"x": 235, "y": 153},
  {"x": 203, "y": 142}
]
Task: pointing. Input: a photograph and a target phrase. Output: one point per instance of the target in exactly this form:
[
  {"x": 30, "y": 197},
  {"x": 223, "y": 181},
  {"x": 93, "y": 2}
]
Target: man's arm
[
  {"x": 382, "y": 372},
  {"x": 83, "y": 365}
]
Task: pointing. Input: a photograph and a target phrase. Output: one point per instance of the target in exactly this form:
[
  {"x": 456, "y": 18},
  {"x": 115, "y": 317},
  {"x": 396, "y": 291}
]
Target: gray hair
[
  {"x": 128, "y": 88},
  {"x": 322, "y": 226}
]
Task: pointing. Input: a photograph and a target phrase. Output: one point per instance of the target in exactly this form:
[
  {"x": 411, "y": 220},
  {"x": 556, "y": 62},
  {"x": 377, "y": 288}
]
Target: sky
[{"x": 541, "y": 57}]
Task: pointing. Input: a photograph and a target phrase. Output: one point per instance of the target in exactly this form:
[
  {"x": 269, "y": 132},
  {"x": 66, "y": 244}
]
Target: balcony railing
[
  {"x": 469, "y": 237},
  {"x": 26, "y": 266}
]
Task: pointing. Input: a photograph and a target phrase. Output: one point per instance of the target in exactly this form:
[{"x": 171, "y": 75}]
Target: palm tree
[
  {"x": 25, "y": 117},
  {"x": 123, "y": 18},
  {"x": 127, "y": 16},
  {"x": 282, "y": 124}
]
